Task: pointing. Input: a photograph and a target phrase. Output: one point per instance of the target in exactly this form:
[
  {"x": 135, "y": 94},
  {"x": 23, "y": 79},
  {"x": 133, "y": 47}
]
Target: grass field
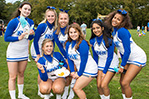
[{"x": 140, "y": 85}]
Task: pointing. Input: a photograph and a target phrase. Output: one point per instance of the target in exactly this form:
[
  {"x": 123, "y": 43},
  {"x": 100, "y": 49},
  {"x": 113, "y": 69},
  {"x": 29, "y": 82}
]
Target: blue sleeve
[
  {"x": 70, "y": 62},
  {"x": 31, "y": 22},
  {"x": 39, "y": 31},
  {"x": 84, "y": 51},
  {"x": 12, "y": 25},
  {"x": 60, "y": 46},
  {"x": 44, "y": 75},
  {"x": 95, "y": 56},
  {"x": 124, "y": 35},
  {"x": 109, "y": 58},
  {"x": 60, "y": 58}
]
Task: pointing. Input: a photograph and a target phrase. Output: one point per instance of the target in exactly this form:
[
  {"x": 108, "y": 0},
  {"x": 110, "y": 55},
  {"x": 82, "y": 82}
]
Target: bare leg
[
  {"x": 99, "y": 79},
  {"x": 131, "y": 73},
  {"x": 13, "y": 71},
  {"x": 21, "y": 70},
  {"x": 81, "y": 82},
  {"x": 105, "y": 82}
]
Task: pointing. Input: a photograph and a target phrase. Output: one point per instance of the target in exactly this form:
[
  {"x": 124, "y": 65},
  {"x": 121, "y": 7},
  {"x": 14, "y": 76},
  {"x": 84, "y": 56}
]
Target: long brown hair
[
  {"x": 58, "y": 28},
  {"x": 81, "y": 36},
  {"x": 126, "y": 23},
  {"x": 17, "y": 12}
]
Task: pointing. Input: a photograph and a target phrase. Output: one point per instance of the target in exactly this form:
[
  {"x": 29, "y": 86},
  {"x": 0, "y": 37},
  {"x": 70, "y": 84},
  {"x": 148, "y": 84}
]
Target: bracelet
[{"x": 122, "y": 67}]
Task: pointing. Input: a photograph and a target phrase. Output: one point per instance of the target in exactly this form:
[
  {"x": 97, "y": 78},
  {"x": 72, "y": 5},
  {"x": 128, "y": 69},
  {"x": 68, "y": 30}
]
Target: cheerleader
[
  {"x": 47, "y": 65},
  {"x": 77, "y": 49},
  {"x": 60, "y": 36},
  {"x": 44, "y": 31},
  {"x": 103, "y": 54},
  {"x": 133, "y": 57},
  {"x": 17, "y": 51}
]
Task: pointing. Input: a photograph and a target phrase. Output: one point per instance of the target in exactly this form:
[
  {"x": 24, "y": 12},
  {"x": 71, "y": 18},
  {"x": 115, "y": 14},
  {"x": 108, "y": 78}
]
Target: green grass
[{"x": 139, "y": 85}]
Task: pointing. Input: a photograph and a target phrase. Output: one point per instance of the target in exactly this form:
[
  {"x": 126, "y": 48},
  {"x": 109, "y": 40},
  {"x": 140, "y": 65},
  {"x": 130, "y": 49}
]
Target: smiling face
[
  {"x": 48, "y": 48},
  {"x": 97, "y": 29},
  {"x": 50, "y": 16},
  {"x": 63, "y": 19},
  {"x": 73, "y": 33},
  {"x": 25, "y": 10},
  {"x": 117, "y": 19}
]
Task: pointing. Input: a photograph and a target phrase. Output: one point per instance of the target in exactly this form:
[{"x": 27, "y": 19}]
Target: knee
[
  {"x": 44, "y": 89},
  {"x": 104, "y": 85},
  {"x": 98, "y": 86},
  {"x": 21, "y": 74},
  {"x": 12, "y": 77},
  {"x": 58, "y": 89},
  {"x": 75, "y": 89},
  {"x": 125, "y": 84}
]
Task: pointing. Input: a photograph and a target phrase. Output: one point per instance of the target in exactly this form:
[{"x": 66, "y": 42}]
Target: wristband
[{"x": 122, "y": 67}]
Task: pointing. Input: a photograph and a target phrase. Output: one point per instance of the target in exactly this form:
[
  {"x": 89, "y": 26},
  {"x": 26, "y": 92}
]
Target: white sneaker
[
  {"x": 51, "y": 94},
  {"x": 46, "y": 96},
  {"x": 41, "y": 95},
  {"x": 23, "y": 97},
  {"x": 29, "y": 60}
]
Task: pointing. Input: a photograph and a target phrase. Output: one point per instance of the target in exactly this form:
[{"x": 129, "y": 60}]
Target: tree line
[{"x": 81, "y": 10}]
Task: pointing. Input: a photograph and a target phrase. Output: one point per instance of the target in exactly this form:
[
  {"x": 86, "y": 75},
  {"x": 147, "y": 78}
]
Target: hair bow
[
  {"x": 97, "y": 19},
  {"x": 50, "y": 7},
  {"x": 63, "y": 10},
  {"x": 122, "y": 11}
]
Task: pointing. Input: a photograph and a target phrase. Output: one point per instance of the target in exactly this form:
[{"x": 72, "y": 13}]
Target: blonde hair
[
  {"x": 58, "y": 28},
  {"x": 43, "y": 43},
  {"x": 55, "y": 22}
]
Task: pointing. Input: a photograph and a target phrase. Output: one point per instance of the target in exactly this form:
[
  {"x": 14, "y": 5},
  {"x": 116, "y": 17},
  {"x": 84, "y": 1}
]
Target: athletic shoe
[{"x": 23, "y": 97}]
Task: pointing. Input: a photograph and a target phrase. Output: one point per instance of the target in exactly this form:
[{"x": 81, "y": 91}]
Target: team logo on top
[
  {"x": 49, "y": 36},
  {"x": 101, "y": 52},
  {"x": 72, "y": 56},
  {"x": 19, "y": 32}
]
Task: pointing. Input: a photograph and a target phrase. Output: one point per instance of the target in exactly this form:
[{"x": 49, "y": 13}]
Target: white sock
[
  {"x": 102, "y": 96},
  {"x": 65, "y": 92},
  {"x": 124, "y": 97},
  {"x": 107, "y": 97},
  {"x": 12, "y": 94},
  {"x": 71, "y": 93},
  {"x": 20, "y": 89},
  {"x": 58, "y": 96},
  {"x": 129, "y": 98}
]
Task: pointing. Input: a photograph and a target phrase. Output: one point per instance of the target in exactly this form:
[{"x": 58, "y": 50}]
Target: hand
[
  {"x": 76, "y": 76},
  {"x": 31, "y": 32},
  {"x": 40, "y": 67},
  {"x": 120, "y": 70},
  {"x": 72, "y": 74},
  {"x": 22, "y": 36},
  {"x": 37, "y": 58},
  {"x": 64, "y": 68}
]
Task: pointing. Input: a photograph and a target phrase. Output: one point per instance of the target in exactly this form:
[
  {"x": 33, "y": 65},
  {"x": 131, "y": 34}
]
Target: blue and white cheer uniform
[
  {"x": 17, "y": 50},
  {"x": 44, "y": 31},
  {"x": 60, "y": 40},
  {"x": 82, "y": 58},
  {"x": 130, "y": 52},
  {"x": 50, "y": 65},
  {"x": 104, "y": 57}
]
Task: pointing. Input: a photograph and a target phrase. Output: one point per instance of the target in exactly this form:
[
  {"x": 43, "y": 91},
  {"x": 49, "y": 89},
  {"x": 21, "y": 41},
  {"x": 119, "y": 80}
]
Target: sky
[{"x": 11, "y": 1}]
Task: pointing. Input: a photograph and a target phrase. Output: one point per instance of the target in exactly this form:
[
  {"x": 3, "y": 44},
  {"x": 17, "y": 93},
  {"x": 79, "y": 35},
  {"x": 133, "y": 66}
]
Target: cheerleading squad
[{"x": 75, "y": 55}]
